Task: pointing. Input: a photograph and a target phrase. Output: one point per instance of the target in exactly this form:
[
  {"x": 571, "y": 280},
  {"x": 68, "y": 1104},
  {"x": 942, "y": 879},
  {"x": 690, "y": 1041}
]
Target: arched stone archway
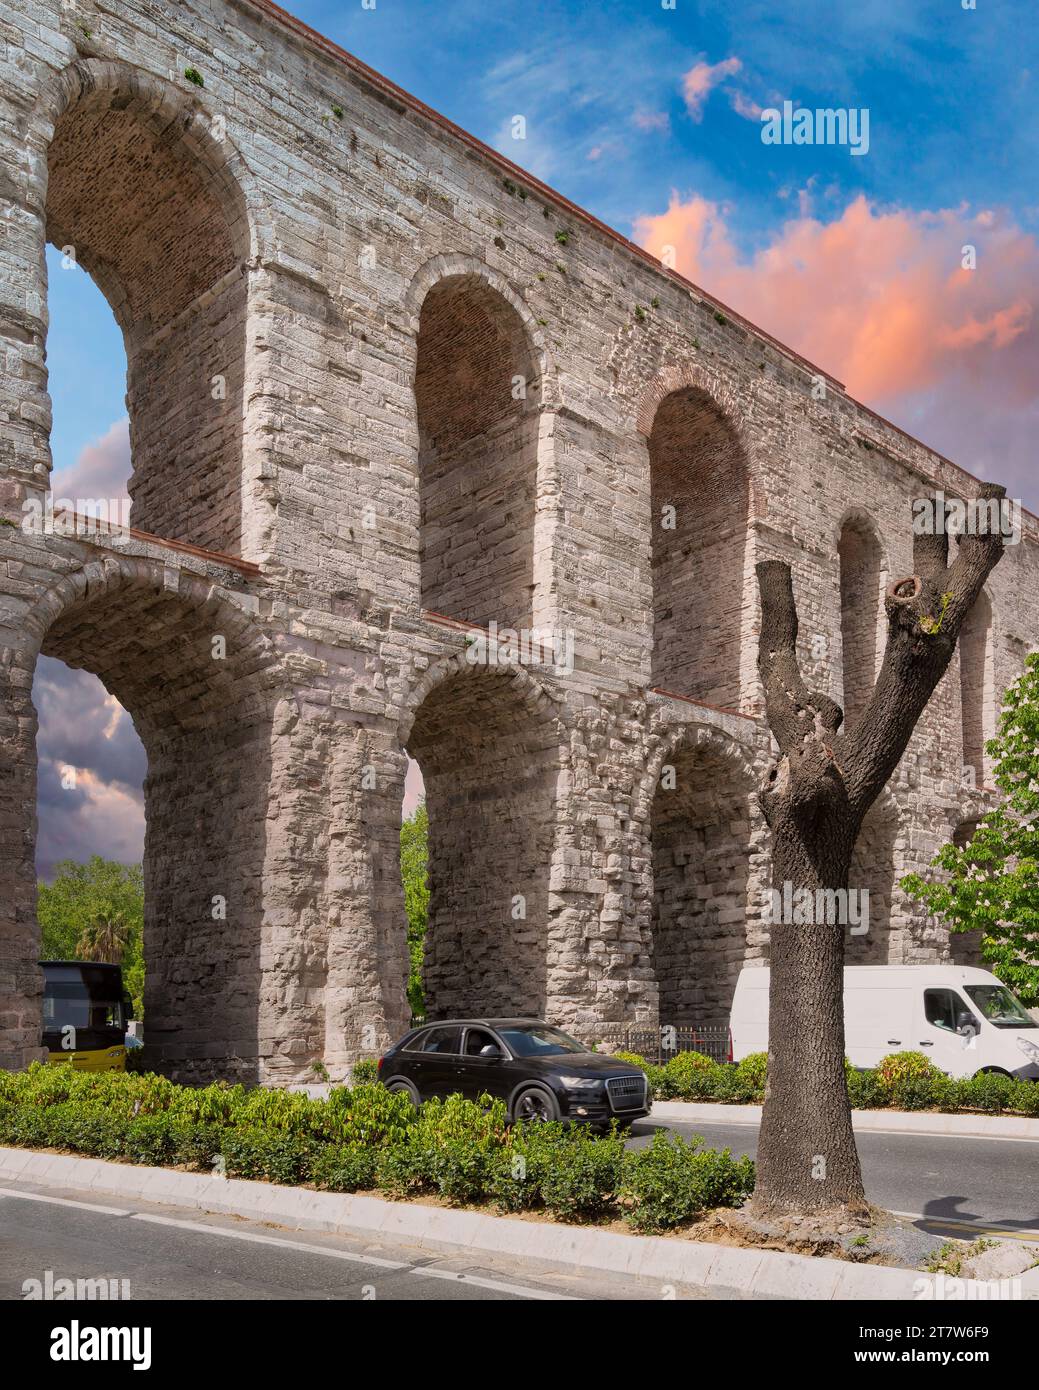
[
  {"x": 862, "y": 579},
  {"x": 490, "y": 751},
  {"x": 965, "y": 947},
  {"x": 143, "y": 196},
  {"x": 978, "y": 704},
  {"x": 198, "y": 680},
  {"x": 706, "y": 836},
  {"x": 478, "y": 403},
  {"x": 700, "y": 498}
]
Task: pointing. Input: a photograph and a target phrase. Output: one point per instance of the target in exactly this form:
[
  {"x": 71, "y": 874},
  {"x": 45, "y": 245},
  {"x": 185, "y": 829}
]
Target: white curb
[
  {"x": 901, "y": 1121},
  {"x": 726, "y": 1270}
]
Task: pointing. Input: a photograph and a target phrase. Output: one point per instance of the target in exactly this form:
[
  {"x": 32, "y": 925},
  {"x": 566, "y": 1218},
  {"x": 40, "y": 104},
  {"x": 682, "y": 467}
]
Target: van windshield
[{"x": 1000, "y": 1007}]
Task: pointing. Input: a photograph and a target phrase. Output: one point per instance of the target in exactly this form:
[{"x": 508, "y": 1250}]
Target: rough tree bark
[{"x": 818, "y": 791}]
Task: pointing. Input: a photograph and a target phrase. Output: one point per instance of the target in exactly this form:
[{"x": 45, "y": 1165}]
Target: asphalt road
[
  {"x": 984, "y": 1184},
  {"x": 958, "y": 1186},
  {"x": 168, "y": 1253}
]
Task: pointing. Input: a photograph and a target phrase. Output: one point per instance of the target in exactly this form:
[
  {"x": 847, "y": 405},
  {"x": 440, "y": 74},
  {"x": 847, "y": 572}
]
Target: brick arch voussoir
[
  {"x": 102, "y": 577},
  {"x": 530, "y": 691},
  {"x": 163, "y": 104},
  {"x": 682, "y": 376},
  {"x": 449, "y": 265},
  {"x": 742, "y": 762},
  {"x": 859, "y": 519}
]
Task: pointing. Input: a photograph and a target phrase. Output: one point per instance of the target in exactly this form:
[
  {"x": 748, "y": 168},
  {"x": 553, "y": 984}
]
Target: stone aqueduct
[{"x": 383, "y": 388}]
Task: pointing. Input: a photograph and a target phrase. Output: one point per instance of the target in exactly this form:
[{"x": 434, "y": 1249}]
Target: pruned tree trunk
[{"x": 819, "y": 789}]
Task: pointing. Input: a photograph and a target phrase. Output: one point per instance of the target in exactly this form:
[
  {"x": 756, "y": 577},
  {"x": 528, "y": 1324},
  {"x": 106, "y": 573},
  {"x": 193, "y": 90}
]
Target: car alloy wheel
[
  {"x": 535, "y": 1106},
  {"x": 396, "y": 1087}
]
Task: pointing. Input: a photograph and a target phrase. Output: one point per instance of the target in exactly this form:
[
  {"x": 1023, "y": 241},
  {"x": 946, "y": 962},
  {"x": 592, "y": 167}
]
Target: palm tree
[{"x": 104, "y": 938}]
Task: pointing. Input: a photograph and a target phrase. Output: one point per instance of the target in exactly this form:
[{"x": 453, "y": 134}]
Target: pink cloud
[
  {"x": 652, "y": 120},
  {"x": 102, "y": 469},
  {"x": 414, "y": 788},
  {"x": 745, "y": 106},
  {"x": 879, "y": 298},
  {"x": 701, "y": 79}
]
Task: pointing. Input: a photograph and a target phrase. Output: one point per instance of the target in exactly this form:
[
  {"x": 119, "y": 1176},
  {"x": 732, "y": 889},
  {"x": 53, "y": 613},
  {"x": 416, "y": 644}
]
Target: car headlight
[
  {"x": 581, "y": 1083},
  {"x": 1029, "y": 1049}
]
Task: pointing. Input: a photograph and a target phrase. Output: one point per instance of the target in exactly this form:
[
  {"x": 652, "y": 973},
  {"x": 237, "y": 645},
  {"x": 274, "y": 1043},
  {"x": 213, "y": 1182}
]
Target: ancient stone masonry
[{"x": 369, "y": 414}]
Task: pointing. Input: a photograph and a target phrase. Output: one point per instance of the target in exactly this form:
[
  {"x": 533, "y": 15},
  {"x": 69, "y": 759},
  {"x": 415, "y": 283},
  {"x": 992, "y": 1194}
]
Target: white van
[{"x": 963, "y": 1019}]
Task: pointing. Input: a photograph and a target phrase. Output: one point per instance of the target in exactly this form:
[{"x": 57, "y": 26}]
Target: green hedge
[
  {"x": 901, "y": 1081},
  {"x": 364, "y": 1139}
]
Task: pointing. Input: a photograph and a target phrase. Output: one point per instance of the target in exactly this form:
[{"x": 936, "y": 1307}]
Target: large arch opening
[
  {"x": 152, "y": 214},
  {"x": 861, "y": 588},
  {"x": 701, "y": 831},
  {"x": 489, "y": 759},
  {"x": 190, "y": 672},
  {"x": 477, "y": 394},
  {"x": 977, "y": 693},
  {"x": 699, "y": 485}
]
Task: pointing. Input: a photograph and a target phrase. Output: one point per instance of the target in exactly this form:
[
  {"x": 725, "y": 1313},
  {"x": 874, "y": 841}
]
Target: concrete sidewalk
[
  {"x": 723, "y": 1271},
  {"x": 894, "y": 1121}
]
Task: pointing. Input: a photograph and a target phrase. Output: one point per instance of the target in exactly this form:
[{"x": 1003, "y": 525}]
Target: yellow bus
[{"x": 85, "y": 1014}]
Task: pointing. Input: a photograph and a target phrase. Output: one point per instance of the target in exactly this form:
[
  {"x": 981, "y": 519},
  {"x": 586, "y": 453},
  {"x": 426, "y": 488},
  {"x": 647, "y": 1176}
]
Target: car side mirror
[
  {"x": 964, "y": 1024},
  {"x": 490, "y": 1051}
]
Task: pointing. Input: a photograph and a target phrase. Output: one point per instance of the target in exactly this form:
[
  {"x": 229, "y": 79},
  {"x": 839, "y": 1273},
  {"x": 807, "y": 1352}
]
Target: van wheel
[
  {"x": 993, "y": 1071},
  {"x": 535, "y": 1105},
  {"x": 399, "y": 1086}
]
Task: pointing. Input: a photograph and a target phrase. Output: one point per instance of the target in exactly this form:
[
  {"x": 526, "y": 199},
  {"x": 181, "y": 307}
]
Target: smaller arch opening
[
  {"x": 700, "y": 828},
  {"x": 977, "y": 694},
  {"x": 965, "y": 946},
  {"x": 861, "y": 596},
  {"x": 489, "y": 764},
  {"x": 477, "y": 392},
  {"x": 700, "y": 497}
]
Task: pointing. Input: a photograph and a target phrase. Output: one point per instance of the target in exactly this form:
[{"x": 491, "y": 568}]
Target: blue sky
[{"x": 648, "y": 117}]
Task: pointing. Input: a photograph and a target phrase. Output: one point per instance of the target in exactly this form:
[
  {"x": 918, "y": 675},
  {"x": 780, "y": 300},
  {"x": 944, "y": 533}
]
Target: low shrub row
[
  {"x": 363, "y": 1138},
  {"x": 901, "y": 1081}
]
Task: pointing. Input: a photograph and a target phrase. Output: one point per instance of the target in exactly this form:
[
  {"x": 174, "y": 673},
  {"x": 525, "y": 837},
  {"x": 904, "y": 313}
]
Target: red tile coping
[{"x": 92, "y": 526}]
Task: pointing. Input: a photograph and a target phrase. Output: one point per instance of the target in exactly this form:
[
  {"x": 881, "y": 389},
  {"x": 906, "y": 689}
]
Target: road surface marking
[
  {"x": 522, "y": 1290},
  {"x": 983, "y": 1228},
  {"x": 203, "y": 1229},
  {"x": 63, "y": 1202}
]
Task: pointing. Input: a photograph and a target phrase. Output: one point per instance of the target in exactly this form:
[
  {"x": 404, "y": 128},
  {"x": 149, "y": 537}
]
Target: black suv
[{"x": 540, "y": 1072}]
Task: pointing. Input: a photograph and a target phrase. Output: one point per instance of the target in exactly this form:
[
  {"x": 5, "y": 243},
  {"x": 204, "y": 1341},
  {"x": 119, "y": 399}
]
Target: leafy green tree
[
  {"x": 95, "y": 911},
  {"x": 992, "y": 882},
  {"x": 414, "y": 860}
]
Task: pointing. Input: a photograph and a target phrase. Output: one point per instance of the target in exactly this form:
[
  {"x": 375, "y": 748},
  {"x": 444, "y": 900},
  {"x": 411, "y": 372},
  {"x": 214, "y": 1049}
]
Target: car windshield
[
  {"x": 1000, "y": 1007},
  {"x": 538, "y": 1040}
]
